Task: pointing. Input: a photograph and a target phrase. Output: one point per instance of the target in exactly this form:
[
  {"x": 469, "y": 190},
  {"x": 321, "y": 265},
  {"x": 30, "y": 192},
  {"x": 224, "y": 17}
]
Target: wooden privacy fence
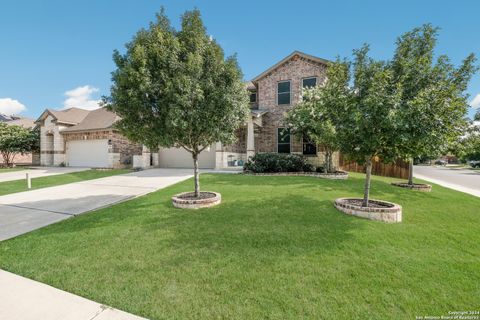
[{"x": 399, "y": 169}]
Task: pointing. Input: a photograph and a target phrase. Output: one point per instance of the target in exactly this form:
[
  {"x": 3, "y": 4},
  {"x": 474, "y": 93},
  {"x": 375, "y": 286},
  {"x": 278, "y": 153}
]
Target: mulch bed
[
  {"x": 371, "y": 203},
  {"x": 332, "y": 175},
  {"x": 191, "y": 196},
  {"x": 415, "y": 186}
]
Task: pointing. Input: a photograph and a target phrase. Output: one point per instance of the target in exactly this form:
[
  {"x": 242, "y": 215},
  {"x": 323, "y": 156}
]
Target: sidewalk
[{"x": 25, "y": 299}]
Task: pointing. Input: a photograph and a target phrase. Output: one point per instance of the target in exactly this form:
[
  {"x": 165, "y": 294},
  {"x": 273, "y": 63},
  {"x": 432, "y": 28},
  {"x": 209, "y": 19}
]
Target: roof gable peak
[{"x": 295, "y": 55}]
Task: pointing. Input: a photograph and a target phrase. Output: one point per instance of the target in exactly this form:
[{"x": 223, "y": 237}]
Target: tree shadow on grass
[
  {"x": 260, "y": 227},
  {"x": 352, "y": 187}
]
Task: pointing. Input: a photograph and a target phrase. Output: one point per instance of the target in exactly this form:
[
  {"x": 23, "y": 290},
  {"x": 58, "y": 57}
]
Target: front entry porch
[{"x": 235, "y": 155}]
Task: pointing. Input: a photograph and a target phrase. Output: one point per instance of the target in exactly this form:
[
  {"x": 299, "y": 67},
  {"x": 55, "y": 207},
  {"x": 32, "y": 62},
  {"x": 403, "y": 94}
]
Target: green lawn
[
  {"x": 56, "y": 180},
  {"x": 3, "y": 169},
  {"x": 276, "y": 248}
]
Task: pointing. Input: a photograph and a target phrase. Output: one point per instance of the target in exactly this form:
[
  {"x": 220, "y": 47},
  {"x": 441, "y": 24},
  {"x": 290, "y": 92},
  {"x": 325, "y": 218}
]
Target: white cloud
[
  {"x": 81, "y": 97},
  {"x": 10, "y": 106},
  {"x": 475, "y": 103}
]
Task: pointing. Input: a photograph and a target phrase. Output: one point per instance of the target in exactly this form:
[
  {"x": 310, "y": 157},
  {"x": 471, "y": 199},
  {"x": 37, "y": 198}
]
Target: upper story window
[
  {"x": 309, "y": 82},
  {"x": 253, "y": 97},
  {"x": 283, "y": 93}
]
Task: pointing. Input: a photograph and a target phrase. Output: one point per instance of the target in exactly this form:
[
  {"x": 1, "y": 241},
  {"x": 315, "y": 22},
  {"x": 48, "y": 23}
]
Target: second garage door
[
  {"x": 87, "y": 153},
  {"x": 179, "y": 158}
]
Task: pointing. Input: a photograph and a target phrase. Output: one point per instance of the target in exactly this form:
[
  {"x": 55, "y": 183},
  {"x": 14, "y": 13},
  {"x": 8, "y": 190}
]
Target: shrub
[
  {"x": 277, "y": 162},
  {"x": 320, "y": 169}
]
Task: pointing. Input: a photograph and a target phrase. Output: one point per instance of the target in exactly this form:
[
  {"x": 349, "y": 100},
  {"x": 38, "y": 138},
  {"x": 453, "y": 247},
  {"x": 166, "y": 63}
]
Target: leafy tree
[
  {"x": 433, "y": 104},
  {"x": 16, "y": 139},
  {"x": 477, "y": 116},
  {"x": 468, "y": 147},
  {"x": 314, "y": 116},
  {"x": 176, "y": 88},
  {"x": 366, "y": 121}
]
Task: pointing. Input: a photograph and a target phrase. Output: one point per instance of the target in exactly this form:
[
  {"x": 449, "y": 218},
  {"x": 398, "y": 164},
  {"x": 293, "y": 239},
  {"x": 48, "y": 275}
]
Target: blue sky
[{"x": 58, "y": 54}]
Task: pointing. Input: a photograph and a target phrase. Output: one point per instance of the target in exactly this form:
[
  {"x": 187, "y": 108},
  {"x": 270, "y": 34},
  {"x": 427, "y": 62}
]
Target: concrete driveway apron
[{"x": 26, "y": 211}]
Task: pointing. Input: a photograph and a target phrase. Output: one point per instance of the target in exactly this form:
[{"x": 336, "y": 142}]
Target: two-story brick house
[
  {"x": 273, "y": 93},
  {"x": 79, "y": 137}
]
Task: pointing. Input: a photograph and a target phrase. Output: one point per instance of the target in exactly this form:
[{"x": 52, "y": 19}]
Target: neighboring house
[
  {"x": 5, "y": 118},
  {"x": 82, "y": 138},
  {"x": 76, "y": 137},
  {"x": 26, "y": 158}
]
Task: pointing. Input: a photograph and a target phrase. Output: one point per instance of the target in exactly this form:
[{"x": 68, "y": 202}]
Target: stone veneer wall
[
  {"x": 240, "y": 145},
  {"x": 121, "y": 151},
  {"x": 52, "y": 152}
]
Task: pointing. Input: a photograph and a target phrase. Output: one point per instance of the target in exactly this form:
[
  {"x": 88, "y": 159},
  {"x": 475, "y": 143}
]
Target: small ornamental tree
[
  {"x": 314, "y": 116},
  {"x": 176, "y": 88},
  {"x": 468, "y": 147},
  {"x": 476, "y": 117},
  {"x": 366, "y": 121},
  {"x": 16, "y": 140},
  {"x": 432, "y": 104}
]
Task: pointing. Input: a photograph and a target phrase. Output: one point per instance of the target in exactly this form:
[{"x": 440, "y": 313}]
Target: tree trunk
[
  {"x": 366, "y": 193},
  {"x": 195, "y": 174},
  {"x": 330, "y": 162},
  {"x": 410, "y": 172},
  {"x": 7, "y": 159}
]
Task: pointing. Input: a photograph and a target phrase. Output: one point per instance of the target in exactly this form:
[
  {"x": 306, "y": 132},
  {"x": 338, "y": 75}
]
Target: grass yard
[
  {"x": 14, "y": 186},
  {"x": 276, "y": 248},
  {"x": 3, "y": 169}
]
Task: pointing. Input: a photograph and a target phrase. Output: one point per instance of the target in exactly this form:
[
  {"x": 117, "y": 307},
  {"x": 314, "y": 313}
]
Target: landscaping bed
[
  {"x": 338, "y": 175},
  {"x": 188, "y": 200},
  {"x": 276, "y": 248},
  {"x": 416, "y": 186},
  {"x": 377, "y": 209}
]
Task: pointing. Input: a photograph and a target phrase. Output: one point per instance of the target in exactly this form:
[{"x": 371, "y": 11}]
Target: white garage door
[
  {"x": 179, "y": 158},
  {"x": 87, "y": 153}
]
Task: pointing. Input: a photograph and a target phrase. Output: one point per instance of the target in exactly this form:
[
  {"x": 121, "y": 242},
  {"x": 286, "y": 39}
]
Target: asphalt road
[{"x": 465, "y": 180}]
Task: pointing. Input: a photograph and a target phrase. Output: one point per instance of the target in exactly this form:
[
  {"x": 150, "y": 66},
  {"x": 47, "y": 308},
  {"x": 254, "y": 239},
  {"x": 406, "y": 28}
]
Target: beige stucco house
[{"x": 76, "y": 137}]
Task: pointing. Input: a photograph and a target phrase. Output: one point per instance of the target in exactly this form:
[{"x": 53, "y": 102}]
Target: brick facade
[{"x": 295, "y": 70}]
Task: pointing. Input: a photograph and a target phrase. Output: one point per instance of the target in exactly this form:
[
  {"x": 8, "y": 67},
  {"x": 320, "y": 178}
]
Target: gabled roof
[
  {"x": 23, "y": 122},
  {"x": 250, "y": 86},
  {"x": 68, "y": 116},
  {"x": 287, "y": 58},
  {"x": 5, "y": 118},
  {"x": 95, "y": 120}
]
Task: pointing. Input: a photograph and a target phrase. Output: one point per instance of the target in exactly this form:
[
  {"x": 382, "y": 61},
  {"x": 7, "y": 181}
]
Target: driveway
[
  {"x": 26, "y": 211},
  {"x": 463, "y": 180},
  {"x": 38, "y": 172},
  {"x": 25, "y": 299}
]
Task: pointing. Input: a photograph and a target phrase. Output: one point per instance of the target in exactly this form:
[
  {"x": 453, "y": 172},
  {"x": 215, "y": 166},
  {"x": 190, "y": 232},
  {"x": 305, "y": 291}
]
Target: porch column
[
  {"x": 219, "y": 156},
  {"x": 250, "y": 139}
]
